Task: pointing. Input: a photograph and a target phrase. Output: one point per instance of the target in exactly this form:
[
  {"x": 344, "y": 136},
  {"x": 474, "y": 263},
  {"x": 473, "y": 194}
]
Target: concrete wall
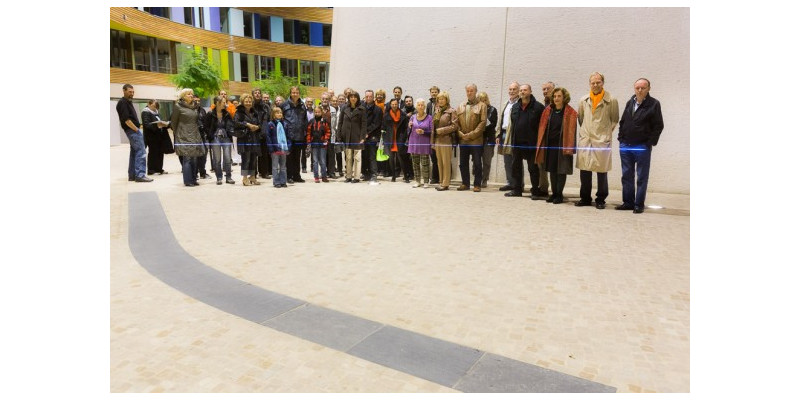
[{"x": 450, "y": 47}]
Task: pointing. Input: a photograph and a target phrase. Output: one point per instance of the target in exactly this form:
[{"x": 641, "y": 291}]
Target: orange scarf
[
  {"x": 596, "y": 99},
  {"x": 381, "y": 105},
  {"x": 396, "y": 119}
]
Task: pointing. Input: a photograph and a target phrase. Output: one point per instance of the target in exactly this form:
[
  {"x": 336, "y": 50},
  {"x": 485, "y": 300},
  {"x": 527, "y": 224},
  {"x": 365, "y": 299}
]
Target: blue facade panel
[
  {"x": 276, "y": 25},
  {"x": 214, "y": 11},
  {"x": 177, "y": 15},
  {"x": 256, "y": 26},
  {"x": 315, "y": 31}
]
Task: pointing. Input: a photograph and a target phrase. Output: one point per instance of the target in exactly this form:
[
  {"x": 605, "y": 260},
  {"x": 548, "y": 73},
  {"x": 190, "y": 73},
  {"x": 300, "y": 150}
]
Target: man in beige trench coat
[{"x": 598, "y": 115}]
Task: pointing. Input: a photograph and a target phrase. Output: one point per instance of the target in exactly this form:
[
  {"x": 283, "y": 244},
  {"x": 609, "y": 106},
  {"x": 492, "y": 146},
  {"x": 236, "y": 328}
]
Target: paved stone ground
[{"x": 598, "y": 294}]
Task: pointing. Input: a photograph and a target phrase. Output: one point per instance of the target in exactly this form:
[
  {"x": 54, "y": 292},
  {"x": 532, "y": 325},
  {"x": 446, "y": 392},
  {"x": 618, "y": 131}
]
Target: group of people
[{"x": 413, "y": 138}]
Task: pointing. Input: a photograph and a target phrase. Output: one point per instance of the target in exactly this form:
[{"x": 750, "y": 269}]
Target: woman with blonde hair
[
  {"x": 444, "y": 124},
  {"x": 188, "y": 140},
  {"x": 247, "y": 128},
  {"x": 488, "y": 137}
]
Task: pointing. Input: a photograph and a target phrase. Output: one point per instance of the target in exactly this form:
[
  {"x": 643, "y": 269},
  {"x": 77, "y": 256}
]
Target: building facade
[{"x": 148, "y": 44}]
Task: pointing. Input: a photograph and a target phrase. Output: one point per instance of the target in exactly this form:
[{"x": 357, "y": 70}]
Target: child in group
[
  {"x": 318, "y": 133},
  {"x": 278, "y": 146}
]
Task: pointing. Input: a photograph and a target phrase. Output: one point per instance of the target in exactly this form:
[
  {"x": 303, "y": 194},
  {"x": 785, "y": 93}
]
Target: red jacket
[{"x": 318, "y": 132}]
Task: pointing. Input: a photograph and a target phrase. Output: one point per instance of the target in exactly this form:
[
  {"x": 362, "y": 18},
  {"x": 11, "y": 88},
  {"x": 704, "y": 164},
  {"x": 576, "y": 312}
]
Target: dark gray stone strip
[
  {"x": 462, "y": 368},
  {"x": 327, "y": 327},
  {"x": 498, "y": 374},
  {"x": 154, "y": 246},
  {"x": 423, "y": 356}
]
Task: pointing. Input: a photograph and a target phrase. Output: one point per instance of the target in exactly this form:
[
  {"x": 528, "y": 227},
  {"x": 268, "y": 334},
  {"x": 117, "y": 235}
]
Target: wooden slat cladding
[
  {"x": 133, "y": 77},
  {"x": 310, "y": 14},
  {"x": 166, "y": 29}
]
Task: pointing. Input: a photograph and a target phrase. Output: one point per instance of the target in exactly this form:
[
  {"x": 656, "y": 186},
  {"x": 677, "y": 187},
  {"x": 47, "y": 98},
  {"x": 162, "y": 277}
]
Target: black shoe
[
  {"x": 394, "y": 179},
  {"x": 151, "y": 172},
  {"x": 624, "y": 207},
  {"x": 131, "y": 179},
  {"x": 558, "y": 200},
  {"x": 290, "y": 181},
  {"x": 356, "y": 181},
  {"x": 600, "y": 206},
  {"x": 299, "y": 180},
  {"x": 193, "y": 184},
  {"x": 638, "y": 210},
  {"x": 505, "y": 188},
  {"x": 143, "y": 179},
  {"x": 407, "y": 180},
  {"x": 582, "y": 203},
  {"x": 162, "y": 172},
  {"x": 304, "y": 171},
  {"x": 205, "y": 176},
  {"x": 551, "y": 199},
  {"x": 538, "y": 193},
  {"x": 231, "y": 181},
  {"x": 219, "y": 181},
  {"x": 348, "y": 180},
  {"x": 513, "y": 194},
  {"x": 283, "y": 185},
  {"x": 434, "y": 182}
]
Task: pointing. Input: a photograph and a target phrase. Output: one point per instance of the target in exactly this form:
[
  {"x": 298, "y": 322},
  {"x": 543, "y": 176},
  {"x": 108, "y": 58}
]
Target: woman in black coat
[
  {"x": 247, "y": 128},
  {"x": 156, "y": 138},
  {"x": 219, "y": 133}
]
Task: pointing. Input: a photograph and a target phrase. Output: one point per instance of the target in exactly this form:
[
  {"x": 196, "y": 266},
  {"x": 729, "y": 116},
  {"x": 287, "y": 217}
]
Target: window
[
  {"x": 266, "y": 65},
  {"x": 248, "y": 24},
  {"x": 158, "y": 11},
  {"x": 202, "y": 17},
  {"x": 320, "y": 74},
  {"x": 288, "y": 31},
  {"x": 182, "y": 51},
  {"x": 306, "y": 75},
  {"x": 143, "y": 50},
  {"x": 327, "y": 32},
  {"x": 266, "y": 34},
  {"x": 305, "y": 35},
  {"x": 243, "y": 67},
  {"x": 289, "y": 67},
  {"x": 188, "y": 16},
  {"x": 165, "y": 57},
  {"x": 223, "y": 20},
  {"x": 120, "y": 50}
]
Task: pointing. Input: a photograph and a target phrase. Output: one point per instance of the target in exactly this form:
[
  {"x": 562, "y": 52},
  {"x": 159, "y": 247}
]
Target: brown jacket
[
  {"x": 445, "y": 128},
  {"x": 568, "y": 129},
  {"x": 472, "y": 133}
]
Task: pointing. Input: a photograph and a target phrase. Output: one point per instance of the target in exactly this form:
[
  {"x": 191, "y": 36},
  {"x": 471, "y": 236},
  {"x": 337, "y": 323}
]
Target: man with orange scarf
[{"x": 598, "y": 114}]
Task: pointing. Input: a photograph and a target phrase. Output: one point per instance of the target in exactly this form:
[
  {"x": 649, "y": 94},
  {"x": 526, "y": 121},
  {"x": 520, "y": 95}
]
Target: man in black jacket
[
  {"x": 639, "y": 130},
  {"x": 525, "y": 115},
  {"x": 294, "y": 114},
  {"x": 263, "y": 110},
  {"x": 374, "y": 121}
]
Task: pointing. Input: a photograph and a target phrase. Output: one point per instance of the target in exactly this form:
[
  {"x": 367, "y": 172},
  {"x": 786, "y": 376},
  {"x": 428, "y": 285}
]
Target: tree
[
  {"x": 199, "y": 75},
  {"x": 278, "y": 85}
]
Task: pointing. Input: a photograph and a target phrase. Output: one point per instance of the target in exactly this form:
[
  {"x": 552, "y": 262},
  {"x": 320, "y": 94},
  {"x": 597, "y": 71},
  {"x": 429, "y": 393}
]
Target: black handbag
[{"x": 166, "y": 142}]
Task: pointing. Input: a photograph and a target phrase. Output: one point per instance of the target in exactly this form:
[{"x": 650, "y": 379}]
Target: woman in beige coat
[{"x": 444, "y": 124}]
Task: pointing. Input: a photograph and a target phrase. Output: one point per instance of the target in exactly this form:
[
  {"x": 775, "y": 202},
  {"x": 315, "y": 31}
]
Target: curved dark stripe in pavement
[{"x": 462, "y": 368}]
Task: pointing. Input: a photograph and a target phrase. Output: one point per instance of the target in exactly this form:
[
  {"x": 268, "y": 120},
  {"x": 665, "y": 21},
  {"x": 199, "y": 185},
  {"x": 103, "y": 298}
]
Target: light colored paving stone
[{"x": 598, "y": 294}]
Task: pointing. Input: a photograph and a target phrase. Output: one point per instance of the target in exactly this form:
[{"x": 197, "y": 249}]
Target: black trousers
[
  {"x": 155, "y": 153},
  {"x": 434, "y": 168},
  {"x": 518, "y": 154},
  {"x": 293, "y": 160},
  {"x": 465, "y": 151},
  {"x": 330, "y": 158},
  {"x": 264, "y": 164},
  {"x": 369, "y": 164},
  {"x": 586, "y": 186},
  {"x": 398, "y": 164},
  {"x": 557, "y": 182}
]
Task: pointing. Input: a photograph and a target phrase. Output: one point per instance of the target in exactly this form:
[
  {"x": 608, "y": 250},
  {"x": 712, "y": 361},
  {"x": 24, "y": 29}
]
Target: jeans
[
  {"x": 248, "y": 164},
  {"x": 319, "y": 161},
  {"x": 189, "y": 170},
  {"x": 638, "y": 157},
  {"x": 476, "y": 151},
  {"x": 278, "y": 169},
  {"x": 221, "y": 152},
  {"x": 137, "y": 162}
]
